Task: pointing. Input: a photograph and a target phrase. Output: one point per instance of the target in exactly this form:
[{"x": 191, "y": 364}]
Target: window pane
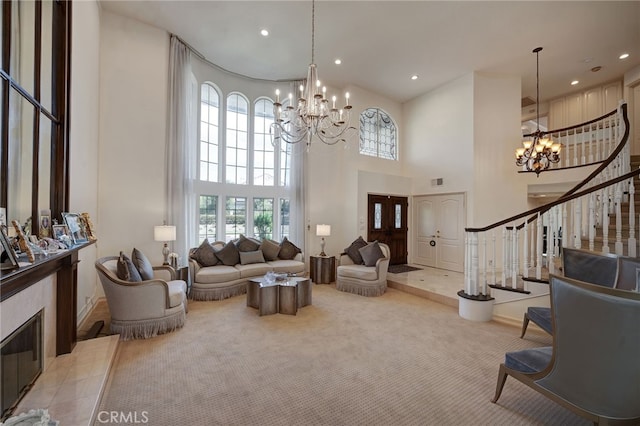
[
  {"x": 208, "y": 218},
  {"x": 46, "y": 70},
  {"x": 23, "y": 43},
  {"x": 263, "y": 151},
  {"x": 236, "y": 142},
  {"x": 209, "y": 110},
  {"x": 263, "y": 217},
  {"x": 284, "y": 218},
  {"x": 235, "y": 217},
  {"x": 398, "y": 214},
  {"x": 377, "y": 216},
  {"x": 377, "y": 134}
]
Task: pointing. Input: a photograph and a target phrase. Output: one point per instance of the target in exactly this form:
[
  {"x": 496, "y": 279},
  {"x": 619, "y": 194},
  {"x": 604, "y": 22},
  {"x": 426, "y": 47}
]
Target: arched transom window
[{"x": 378, "y": 134}]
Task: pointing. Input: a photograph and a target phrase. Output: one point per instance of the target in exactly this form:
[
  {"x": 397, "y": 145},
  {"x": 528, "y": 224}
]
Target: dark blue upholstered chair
[
  {"x": 592, "y": 368},
  {"x": 626, "y": 277},
  {"x": 582, "y": 265}
]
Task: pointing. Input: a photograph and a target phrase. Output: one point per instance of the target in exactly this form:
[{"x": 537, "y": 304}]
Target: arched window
[
  {"x": 237, "y": 143},
  {"x": 264, "y": 155},
  {"x": 209, "y": 127},
  {"x": 378, "y": 134}
]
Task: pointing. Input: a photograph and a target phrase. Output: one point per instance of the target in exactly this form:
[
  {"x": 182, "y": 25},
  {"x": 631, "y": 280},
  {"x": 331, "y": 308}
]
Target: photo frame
[
  {"x": 88, "y": 225},
  {"x": 8, "y": 258},
  {"x": 45, "y": 224},
  {"x": 23, "y": 243},
  {"x": 59, "y": 231},
  {"x": 76, "y": 228}
]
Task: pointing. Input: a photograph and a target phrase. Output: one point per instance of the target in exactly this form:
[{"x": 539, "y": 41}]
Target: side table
[
  {"x": 182, "y": 273},
  {"x": 323, "y": 269}
]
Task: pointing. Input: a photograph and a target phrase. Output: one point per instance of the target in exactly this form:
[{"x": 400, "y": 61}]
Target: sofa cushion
[
  {"x": 126, "y": 270},
  {"x": 353, "y": 251},
  {"x": 290, "y": 266},
  {"x": 177, "y": 292},
  {"x": 253, "y": 269},
  {"x": 142, "y": 264},
  {"x": 217, "y": 274},
  {"x": 360, "y": 272},
  {"x": 371, "y": 253},
  {"x": 229, "y": 254},
  {"x": 247, "y": 244},
  {"x": 205, "y": 254},
  {"x": 248, "y": 257},
  {"x": 288, "y": 250},
  {"x": 270, "y": 249}
]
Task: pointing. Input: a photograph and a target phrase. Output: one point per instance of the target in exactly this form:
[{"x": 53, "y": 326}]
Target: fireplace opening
[{"x": 21, "y": 363}]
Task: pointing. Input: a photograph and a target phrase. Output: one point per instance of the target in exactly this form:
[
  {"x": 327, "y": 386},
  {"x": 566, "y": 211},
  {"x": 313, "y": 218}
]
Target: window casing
[{"x": 378, "y": 134}]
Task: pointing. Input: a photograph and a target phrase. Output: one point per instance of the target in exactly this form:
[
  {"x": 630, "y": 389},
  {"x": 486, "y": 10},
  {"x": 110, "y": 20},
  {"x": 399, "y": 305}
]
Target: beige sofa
[{"x": 223, "y": 281}]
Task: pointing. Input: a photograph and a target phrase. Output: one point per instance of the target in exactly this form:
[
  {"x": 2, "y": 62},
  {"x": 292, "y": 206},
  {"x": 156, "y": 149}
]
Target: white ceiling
[{"x": 382, "y": 43}]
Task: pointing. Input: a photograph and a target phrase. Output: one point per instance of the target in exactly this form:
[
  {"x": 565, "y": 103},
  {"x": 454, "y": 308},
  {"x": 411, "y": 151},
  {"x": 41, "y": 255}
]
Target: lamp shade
[
  {"x": 323, "y": 230},
  {"x": 164, "y": 233}
]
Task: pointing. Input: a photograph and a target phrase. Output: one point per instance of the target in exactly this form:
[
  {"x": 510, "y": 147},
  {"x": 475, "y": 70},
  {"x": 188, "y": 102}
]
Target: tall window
[
  {"x": 378, "y": 134},
  {"x": 263, "y": 217},
  {"x": 209, "y": 147},
  {"x": 236, "y": 140},
  {"x": 244, "y": 184},
  {"x": 207, "y": 226},
  {"x": 263, "y": 151},
  {"x": 236, "y": 217},
  {"x": 284, "y": 217}
]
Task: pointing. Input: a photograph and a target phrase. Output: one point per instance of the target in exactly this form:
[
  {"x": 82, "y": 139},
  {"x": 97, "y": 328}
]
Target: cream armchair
[
  {"x": 144, "y": 309},
  {"x": 361, "y": 279}
]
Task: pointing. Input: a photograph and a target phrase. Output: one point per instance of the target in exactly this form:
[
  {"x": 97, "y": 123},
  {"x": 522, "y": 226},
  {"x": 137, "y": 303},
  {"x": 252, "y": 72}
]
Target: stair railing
[{"x": 530, "y": 242}]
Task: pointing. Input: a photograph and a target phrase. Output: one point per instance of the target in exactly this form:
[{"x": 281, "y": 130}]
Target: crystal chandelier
[
  {"x": 540, "y": 151},
  {"x": 311, "y": 115}
]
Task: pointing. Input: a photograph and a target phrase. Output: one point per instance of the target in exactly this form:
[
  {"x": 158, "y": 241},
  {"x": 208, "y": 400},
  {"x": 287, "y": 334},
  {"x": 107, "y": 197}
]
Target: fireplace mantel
[{"x": 64, "y": 265}]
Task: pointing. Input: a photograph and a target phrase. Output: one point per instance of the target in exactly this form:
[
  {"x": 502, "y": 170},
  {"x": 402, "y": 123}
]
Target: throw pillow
[
  {"x": 371, "y": 253},
  {"x": 353, "y": 250},
  {"x": 126, "y": 270},
  {"x": 205, "y": 254},
  {"x": 248, "y": 257},
  {"x": 288, "y": 250},
  {"x": 270, "y": 249},
  {"x": 142, "y": 264},
  {"x": 246, "y": 244},
  {"x": 229, "y": 254}
]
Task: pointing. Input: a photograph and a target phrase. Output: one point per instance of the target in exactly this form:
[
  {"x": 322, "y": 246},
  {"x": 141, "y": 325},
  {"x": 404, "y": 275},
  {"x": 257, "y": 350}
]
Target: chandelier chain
[{"x": 313, "y": 31}]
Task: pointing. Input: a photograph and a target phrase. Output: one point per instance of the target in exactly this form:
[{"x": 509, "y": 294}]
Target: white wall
[
  {"x": 84, "y": 137},
  {"x": 134, "y": 62}
]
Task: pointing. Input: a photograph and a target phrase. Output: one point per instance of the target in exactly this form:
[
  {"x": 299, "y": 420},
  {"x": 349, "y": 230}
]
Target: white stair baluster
[
  {"x": 618, "y": 206},
  {"x": 631, "y": 250}
]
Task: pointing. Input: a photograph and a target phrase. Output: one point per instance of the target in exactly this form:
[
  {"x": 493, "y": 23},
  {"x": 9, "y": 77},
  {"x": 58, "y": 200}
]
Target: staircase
[{"x": 511, "y": 260}]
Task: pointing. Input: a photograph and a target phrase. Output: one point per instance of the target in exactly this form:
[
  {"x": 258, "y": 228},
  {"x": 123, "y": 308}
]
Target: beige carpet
[{"x": 346, "y": 360}]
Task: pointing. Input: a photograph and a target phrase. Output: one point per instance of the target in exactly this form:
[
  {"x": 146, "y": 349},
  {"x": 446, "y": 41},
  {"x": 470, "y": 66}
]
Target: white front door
[{"x": 439, "y": 239}]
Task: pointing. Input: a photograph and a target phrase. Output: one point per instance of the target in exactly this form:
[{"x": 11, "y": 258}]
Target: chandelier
[
  {"x": 311, "y": 115},
  {"x": 539, "y": 152}
]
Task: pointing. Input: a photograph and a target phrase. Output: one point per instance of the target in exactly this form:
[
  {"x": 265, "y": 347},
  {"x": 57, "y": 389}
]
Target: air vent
[
  {"x": 527, "y": 101},
  {"x": 437, "y": 182}
]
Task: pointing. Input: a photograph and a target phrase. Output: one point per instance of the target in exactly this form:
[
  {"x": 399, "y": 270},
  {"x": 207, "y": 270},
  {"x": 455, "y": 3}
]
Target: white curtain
[
  {"x": 181, "y": 148},
  {"x": 298, "y": 187}
]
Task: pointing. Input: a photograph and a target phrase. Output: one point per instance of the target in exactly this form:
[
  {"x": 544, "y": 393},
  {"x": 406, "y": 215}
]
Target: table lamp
[
  {"x": 164, "y": 233},
  {"x": 323, "y": 231}
]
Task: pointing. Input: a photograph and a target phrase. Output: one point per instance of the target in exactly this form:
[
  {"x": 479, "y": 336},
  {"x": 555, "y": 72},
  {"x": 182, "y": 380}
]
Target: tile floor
[{"x": 72, "y": 386}]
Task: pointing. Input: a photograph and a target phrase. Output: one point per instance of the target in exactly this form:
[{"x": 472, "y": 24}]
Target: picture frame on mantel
[
  {"x": 8, "y": 257},
  {"x": 76, "y": 228}
]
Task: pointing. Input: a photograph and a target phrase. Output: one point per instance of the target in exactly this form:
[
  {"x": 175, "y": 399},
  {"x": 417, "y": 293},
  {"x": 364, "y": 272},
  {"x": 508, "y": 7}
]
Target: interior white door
[{"x": 439, "y": 240}]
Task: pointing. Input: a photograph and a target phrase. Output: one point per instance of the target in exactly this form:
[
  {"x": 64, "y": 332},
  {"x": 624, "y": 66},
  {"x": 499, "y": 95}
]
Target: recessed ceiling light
[
  {"x": 414, "y": 77},
  {"x": 574, "y": 82},
  {"x": 337, "y": 61},
  {"x": 624, "y": 56},
  {"x": 264, "y": 32}
]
